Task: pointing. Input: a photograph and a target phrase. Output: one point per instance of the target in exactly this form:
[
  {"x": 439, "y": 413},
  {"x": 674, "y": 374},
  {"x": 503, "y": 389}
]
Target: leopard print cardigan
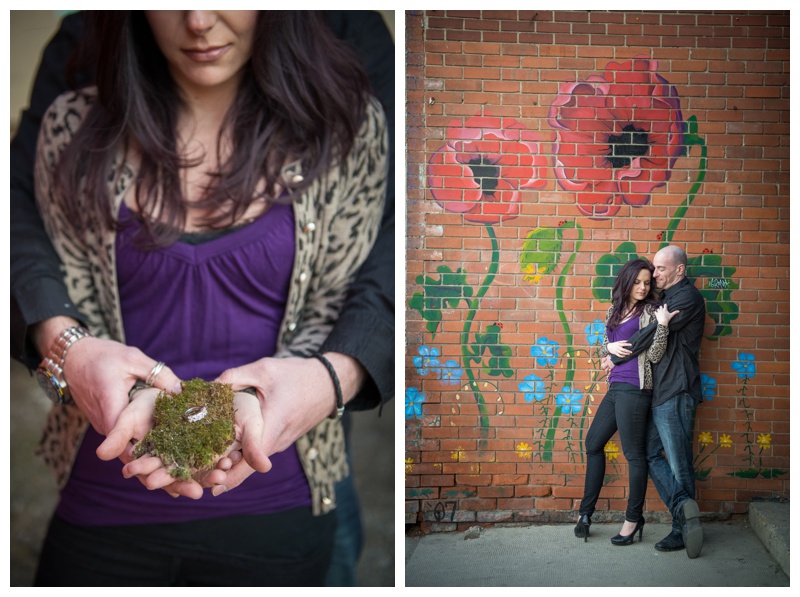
[
  {"x": 348, "y": 198},
  {"x": 652, "y": 354}
]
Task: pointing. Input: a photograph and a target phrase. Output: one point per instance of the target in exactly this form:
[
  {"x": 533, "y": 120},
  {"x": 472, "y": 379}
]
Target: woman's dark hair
[
  {"x": 622, "y": 290},
  {"x": 303, "y": 97}
]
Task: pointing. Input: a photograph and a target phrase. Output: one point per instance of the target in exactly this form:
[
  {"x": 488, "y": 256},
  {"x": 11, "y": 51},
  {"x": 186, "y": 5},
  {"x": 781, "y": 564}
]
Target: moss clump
[{"x": 185, "y": 446}]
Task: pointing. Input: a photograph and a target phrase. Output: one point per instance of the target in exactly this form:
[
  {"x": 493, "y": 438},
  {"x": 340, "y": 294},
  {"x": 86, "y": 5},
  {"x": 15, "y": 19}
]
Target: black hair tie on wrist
[{"x": 339, "y": 399}]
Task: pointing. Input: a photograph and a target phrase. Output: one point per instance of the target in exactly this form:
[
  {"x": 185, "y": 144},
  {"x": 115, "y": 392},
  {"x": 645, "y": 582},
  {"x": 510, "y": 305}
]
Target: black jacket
[{"x": 679, "y": 369}]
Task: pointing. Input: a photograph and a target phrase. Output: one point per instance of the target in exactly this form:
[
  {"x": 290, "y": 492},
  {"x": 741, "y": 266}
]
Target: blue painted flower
[
  {"x": 745, "y": 366},
  {"x": 571, "y": 402},
  {"x": 451, "y": 373},
  {"x": 414, "y": 400},
  {"x": 595, "y": 331},
  {"x": 427, "y": 359},
  {"x": 545, "y": 351},
  {"x": 708, "y": 386},
  {"x": 533, "y": 387}
]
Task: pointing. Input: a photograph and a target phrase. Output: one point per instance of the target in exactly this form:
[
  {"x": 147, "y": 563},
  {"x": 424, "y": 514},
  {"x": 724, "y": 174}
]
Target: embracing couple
[{"x": 652, "y": 344}]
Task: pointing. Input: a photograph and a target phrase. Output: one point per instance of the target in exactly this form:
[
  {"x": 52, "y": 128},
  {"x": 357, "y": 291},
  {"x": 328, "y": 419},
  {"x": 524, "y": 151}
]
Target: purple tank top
[
  {"x": 201, "y": 309},
  {"x": 627, "y": 372}
]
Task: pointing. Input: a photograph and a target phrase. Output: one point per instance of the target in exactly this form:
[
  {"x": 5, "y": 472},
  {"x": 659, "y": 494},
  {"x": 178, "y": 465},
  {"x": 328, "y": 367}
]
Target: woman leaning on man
[{"x": 626, "y": 405}]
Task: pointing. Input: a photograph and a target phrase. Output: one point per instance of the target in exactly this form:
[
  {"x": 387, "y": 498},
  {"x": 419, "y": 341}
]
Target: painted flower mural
[
  {"x": 705, "y": 439},
  {"x": 570, "y": 400},
  {"x": 427, "y": 358},
  {"x": 414, "y": 400},
  {"x": 451, "y": 373},
  {"x": 595, "y": 332},
  {"x": 524, "y": 450},
  {"x": 746, "y": 370},
  {"x": 619, "y": 135},
  {"x": 545, "y": 351},
  {"x": 611, "y": 451},
  {"x": 533, "y": 388},
  {"x": 745, "y": 366},
  {"x": 483, "y": 166},
  {"x": 428, "y": 361},
  {"x": 708, "y": 387},
  {"x": 480, "y": 173}
]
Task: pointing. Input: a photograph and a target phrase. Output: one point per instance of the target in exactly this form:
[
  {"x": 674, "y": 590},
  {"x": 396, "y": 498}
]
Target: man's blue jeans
[
  {"x": 349, "y": 535},
  {"x": 669, "y": 433}
]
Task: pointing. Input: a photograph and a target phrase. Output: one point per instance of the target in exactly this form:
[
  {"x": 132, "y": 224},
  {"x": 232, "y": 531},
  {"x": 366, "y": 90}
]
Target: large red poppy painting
[
  {"x": 483, "y": 168},
  {"x": 619, "y": 135}
]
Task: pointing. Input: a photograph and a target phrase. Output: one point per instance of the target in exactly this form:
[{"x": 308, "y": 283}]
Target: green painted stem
[
  {"x": 691, "y": 139},
  {"x": 547, "y": 455},
  {"x": 474, "y": 305},
  {"x": 707, "y": 455}
]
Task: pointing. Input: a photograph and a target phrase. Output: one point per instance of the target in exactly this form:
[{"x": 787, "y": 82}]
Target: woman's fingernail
[{"x": 218, "y": 490}]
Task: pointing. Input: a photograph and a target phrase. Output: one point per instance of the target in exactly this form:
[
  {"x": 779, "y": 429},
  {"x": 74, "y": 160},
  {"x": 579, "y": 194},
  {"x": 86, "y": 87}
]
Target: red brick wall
[{"x": 508, "y": 260}]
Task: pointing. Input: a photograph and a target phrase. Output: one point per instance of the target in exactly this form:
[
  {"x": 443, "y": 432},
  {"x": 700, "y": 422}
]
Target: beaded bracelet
[{"x": 339, "y": 399}]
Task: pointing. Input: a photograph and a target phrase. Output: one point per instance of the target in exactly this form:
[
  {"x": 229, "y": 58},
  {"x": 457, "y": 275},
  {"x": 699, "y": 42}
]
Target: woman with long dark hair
[
  {"x": 626, "y": 405},
  {"x": 211, "y": 196}
]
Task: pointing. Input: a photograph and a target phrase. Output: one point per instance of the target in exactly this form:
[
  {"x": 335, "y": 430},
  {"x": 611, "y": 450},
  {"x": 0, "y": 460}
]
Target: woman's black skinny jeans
[{"x": 625, "y": 408}]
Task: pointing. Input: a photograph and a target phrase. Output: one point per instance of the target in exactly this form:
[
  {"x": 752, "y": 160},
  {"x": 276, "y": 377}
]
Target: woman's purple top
[
  {"x": 626, "y": 372},
  {"x": 202, "y": 309}
]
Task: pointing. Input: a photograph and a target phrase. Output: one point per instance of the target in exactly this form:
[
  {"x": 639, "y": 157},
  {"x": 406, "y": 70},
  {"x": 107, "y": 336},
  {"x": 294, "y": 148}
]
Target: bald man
[{"x": 676, "y": 394}]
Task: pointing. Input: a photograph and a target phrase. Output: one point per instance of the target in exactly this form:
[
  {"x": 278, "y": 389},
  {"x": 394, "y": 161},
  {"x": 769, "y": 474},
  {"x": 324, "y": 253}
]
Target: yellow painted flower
[
  {"x": 409, "y": 466},
  {"x": 524, "y": 450},
  {"x": 705, "y": 438},
  {"x": 533, "y": 274},
  {"x": 725, "y": 441},
  {"x": 764, "y": 440},
  {"x": 611, "y": 450}
]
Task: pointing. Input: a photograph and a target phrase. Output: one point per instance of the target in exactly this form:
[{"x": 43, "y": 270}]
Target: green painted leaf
[
  {"x": 717, "y": 284},
  {"x": 500, "y": 354},
  {"x": 540, "y": 253},
  {"x": 771, "y": 473},
  {"x": 745, "y": 474},
  {"x": 608, "y": 267},
  {"x": 413, "y": 493},
  {"x": 437, "y": 293}
]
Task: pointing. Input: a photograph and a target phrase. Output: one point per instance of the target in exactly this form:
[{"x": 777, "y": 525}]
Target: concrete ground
[
  {"x": 33, "y": 492},
  {"x": 752, "y": 552}
]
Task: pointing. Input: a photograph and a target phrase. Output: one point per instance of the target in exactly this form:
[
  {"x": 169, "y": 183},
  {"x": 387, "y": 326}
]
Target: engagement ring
[{"x": 194, "y": 414}]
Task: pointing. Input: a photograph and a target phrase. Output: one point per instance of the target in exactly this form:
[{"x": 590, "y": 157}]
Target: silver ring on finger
[{"x": 154, "y": 373}]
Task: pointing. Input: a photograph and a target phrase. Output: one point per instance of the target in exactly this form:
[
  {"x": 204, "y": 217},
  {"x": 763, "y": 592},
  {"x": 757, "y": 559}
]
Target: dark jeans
[
  {"x": 349, "y": 535},
  {"x": 625, "y": 408},
  {"x": 669, "y": 452},
  {"x": 291, "y": 548}
]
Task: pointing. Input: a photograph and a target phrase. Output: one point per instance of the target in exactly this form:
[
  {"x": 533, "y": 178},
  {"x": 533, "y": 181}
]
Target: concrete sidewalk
[{"x": 752, "y": 552}]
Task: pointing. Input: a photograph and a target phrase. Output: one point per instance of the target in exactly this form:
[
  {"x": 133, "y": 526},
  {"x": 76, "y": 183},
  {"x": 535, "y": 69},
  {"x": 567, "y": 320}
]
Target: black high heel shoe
[
  {"x": 582, "y": 528},
  {"x": 628, "y": 539}
]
